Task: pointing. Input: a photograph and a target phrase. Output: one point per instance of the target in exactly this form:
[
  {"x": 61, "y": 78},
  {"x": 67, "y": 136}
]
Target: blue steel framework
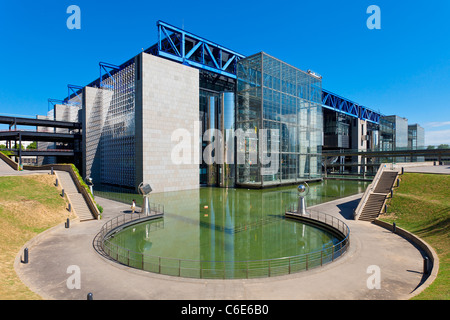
[
  {"x": 106, "y": 68},
  {"x": 73, "y": 90},
  {"x": 337, "y": 103},
  {"x": 51, "y": 103},
  {"x": 189, "y": 49},
  {"x": 186, "y": 48},
  {"x": 204, "y": 54}
]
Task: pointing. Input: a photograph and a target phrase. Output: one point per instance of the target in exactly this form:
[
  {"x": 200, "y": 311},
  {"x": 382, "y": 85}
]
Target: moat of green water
[{"x": 218, "y": 224}]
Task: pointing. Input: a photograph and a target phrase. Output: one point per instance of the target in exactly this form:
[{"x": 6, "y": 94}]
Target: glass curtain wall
[
  {"x": 387, "y": 129},
  {"x": 285, "y": 101},
  {"x": 117, "y": 142},
  {"x": 216, "y": 113},
  {"x": 416, "y": 140}
]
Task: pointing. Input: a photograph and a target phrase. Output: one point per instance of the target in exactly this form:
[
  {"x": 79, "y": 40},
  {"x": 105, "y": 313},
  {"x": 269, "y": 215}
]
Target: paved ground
[
  {"x": 444, "y": 169},
  {"x": 52, "y": 252},
  {"x": 6, "y": 170}
]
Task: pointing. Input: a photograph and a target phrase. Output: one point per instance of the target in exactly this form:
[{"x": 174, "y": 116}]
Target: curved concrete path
[{"x": 54, "y": 251}]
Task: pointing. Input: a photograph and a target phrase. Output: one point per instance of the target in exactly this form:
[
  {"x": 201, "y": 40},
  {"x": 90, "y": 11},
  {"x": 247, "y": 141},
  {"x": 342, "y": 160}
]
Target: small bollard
[
  {"x": 25, "y": 255},
  {"x": 90, "y": 296},
  {"x": 394, "y": 227},
  {"x": 67, "y": 223},
  {"x": 56, "y": 184},
  {"x": 51, "y": 170},
  {"x": 426, "y": 265},
  {"x": 70, "y": 207},
  {"x": 62, "y": 194}
]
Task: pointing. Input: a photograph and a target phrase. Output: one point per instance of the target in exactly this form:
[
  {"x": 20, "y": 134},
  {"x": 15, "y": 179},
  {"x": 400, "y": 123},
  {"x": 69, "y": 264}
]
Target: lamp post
[
  {"x": 144, "y": 190},
  {"x": 303, "y": 190},
  {"x": 90, "y": 184}
]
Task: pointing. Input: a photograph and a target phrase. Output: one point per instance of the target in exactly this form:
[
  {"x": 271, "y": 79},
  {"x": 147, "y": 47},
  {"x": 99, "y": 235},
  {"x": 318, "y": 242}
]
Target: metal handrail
[
  {"x": 368, "y": 192},
  {"x": 207, "y": 269}
]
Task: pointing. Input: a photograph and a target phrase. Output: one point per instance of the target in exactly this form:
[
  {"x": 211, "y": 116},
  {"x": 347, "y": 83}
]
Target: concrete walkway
[
  {"x": 6, "y": 170},
  {"x": 53, "y": 252},
  {"x": 76, "y": 199},
  {"x": 443, "y": 169}
]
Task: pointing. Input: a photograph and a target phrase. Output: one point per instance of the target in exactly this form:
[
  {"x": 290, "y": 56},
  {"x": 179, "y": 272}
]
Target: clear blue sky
[{"x": 403, "y": 68}]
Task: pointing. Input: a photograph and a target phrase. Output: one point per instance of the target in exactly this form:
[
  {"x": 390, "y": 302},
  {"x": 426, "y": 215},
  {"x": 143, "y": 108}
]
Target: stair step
[{"x": 76, "y": 199}]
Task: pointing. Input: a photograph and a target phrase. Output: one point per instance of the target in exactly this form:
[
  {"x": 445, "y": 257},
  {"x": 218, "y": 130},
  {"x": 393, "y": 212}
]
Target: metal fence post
[
  {"x": 159, "y": 267},
  {"x": 25, "y": 255},
  {"x": 289, "y": 267},
  {"x": 425, "y": 265}
]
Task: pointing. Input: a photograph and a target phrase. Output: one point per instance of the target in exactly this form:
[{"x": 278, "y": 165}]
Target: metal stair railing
[{"x": 370, "y": 188}]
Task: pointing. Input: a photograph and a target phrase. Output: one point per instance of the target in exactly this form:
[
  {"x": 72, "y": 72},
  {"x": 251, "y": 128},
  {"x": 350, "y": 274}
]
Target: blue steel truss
[
  {"x": 51, "y": 103},
  {"x": 192, "y": 50},
  {"x": 337, "y": 103},
  {"x": 73, "y": 90},
  {"x": 189, "y": 49},
  {"x": 106, "y": 69}
]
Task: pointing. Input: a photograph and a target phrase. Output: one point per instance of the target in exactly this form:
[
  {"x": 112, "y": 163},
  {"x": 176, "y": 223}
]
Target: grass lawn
[
  {"x": 28, "y": 206},
  {"x": 421, "y": 205}
]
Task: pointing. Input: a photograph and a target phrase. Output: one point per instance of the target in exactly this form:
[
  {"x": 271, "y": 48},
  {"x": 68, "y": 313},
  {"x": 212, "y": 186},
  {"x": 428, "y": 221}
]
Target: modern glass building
[
  {"x": 284, "y": 103},
  {"x": 416, "y": 136},
  {"x": 401, "y": 131},
  {"x": 188, "y": 112},
  {"x": 416, "y": 140}
]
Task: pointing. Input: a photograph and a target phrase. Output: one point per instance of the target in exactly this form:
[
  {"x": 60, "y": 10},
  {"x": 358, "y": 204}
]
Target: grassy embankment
[
  {"x": 28, "y": 206},
  {"x": 421, "y": 205}
]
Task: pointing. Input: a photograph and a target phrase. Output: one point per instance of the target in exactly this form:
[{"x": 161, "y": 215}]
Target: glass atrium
[{"x": 286, "y": 101}]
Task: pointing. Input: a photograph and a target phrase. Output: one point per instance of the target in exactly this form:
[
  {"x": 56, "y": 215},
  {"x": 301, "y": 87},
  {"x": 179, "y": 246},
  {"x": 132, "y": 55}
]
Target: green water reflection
[{"x": 217, "y": 224}]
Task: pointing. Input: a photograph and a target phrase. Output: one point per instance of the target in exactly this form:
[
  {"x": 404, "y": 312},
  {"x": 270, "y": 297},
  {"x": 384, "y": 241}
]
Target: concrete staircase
[
  {"x": 386, "y": 182},
  {"x": 373, "y": 207},
  {"x": 377, "y": 195},
  {"x": 76, "y": 199}
]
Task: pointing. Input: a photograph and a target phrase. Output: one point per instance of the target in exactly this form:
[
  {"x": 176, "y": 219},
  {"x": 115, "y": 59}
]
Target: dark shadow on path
[{"x": 346, "y": 209}]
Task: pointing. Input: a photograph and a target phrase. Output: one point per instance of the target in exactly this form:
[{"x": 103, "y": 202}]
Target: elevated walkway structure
[
  {"x": 375, "y": 158},
  {"x": 28, "y": 135},
  {"x": 21, "y": 121},
  {"x": 71, "y": 138}
]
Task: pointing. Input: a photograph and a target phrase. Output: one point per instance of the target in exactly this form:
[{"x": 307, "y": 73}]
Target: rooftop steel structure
[
  {"x": 189, "y": 49},
  {"x": 340, "y": 104}
]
